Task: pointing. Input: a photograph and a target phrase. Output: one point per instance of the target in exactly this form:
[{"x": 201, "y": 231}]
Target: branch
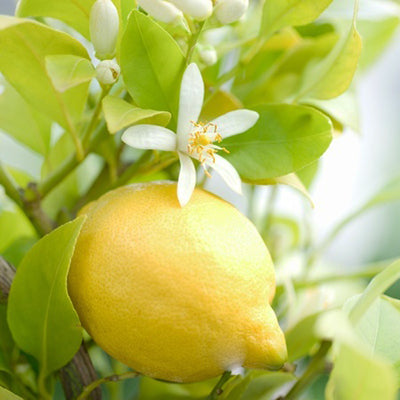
[
  {"x": 217, "y": 391},
  {"x": 7, "y": 273}
]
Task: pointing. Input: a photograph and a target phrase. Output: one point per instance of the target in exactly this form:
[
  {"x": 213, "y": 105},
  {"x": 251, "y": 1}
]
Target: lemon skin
[{"x": 179, "y": 294}]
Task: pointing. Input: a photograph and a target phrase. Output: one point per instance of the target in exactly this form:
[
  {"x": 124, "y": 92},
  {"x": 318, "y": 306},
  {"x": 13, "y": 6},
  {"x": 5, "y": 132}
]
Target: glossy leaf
[
  {"x": 286, "y": 138},
  {"x": 333, "y": 75},
  {"x": 357, "y": 375},
  {"x": 120, "y": 114},
  {"x": 41, "y": 317},
  {"x": 68, "y": 71},
  {"x": 152, "y": 64},
  {"x": 278, "y": 14},
  {"x": 21, "y": 121},
  {"x": 7, "y": 395},
  {"x": 376, "y": 287},
  {"x": 24, "y": 46}
]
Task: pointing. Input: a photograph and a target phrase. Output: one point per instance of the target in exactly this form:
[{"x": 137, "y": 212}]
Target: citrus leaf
[
  {"x": 74, "y": 13},
  {"x": 6, "y": 342},
  {"x": 7, "y": 395},
  {"x": 358, "y": 375},
  {"x": 286, "y": 138},
  {"x": 24, "y": 45},
  {"x": 41, "y": 317},
  {"x": 376, "y": 287},
  {"x": 278, "y": 14},
  {"x": 333, "y": 75},
  {"x": 67, "y": 71},
  {"x": 152, "y": 64},
  {"x": 120, "y": 114},
  {"x": 21, "y": 121}
]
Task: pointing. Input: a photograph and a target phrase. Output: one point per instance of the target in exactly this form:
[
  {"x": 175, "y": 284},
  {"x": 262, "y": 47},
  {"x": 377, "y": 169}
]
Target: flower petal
[
  {"x": 227, "y": 172},
  {"x": 150, "y": 137},
  {"x": 235, "y": 122},
  {"x": 190, "y": 103},
  {"x": 187, "y": 179}
]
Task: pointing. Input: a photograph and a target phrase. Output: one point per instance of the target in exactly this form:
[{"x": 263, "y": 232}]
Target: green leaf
[
  {"x": 7, "y": 395},
  {"x": 376, "y": 287},
  {"x": 152, "y": 64},
  {"x": 376, "y": 327},
  {"x": 67, "y": 71},
  {"x": 278, "y": 14},
  {"x": 22, "y": 121},
  {"x": 357, "y": 375},
  {"x": 41, "y": 317},
  {"x": 24, "y": 46},
  {"x": 301, "y": 338},
  {"x": 73, "y": 13},
  {"x": 333, "y": 75},
  {"x": 286, "y": 138},
  {"x": 120, "y": 114}
]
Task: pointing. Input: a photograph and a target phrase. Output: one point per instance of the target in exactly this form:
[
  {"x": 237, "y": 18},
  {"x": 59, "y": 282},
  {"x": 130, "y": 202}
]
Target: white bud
[
  {"x": 228, "y": 11},
  {"x": 161, "y": 10},
  {"x": 107, "y": 72},
  {"x": 104, "y": 28},
  {"x": 197, "y": 9},
  {"x": 208, "y": 55}
]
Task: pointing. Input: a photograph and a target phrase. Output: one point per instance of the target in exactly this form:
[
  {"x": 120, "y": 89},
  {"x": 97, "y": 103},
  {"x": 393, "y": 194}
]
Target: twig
[
  {"x": 217, "y": 391},
  {"x": 7, "y": 273},
  {"x": 78, "y": 374},
  {"x": 113, "y": 378}
]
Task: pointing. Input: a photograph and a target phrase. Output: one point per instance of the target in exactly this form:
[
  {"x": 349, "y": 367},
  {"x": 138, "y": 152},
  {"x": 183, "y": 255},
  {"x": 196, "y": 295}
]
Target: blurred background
[{"x": 356, "y": 165}]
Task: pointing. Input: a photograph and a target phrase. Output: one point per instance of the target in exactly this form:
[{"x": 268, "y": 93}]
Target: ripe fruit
[{"x": 179, "y": 294}]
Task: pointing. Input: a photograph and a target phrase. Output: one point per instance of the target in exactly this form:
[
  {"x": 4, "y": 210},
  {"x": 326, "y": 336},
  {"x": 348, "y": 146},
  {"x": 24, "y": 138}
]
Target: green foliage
[
  {"x": 7, "y": 395},
  {"x": 294, "y": 135},
  {"x": 150, "y": 80},
  {"x": 40, "y": 314}
]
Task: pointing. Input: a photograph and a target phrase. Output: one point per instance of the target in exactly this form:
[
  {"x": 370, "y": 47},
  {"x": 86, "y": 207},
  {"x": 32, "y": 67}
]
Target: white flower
[
  {"x": 194, "y": 139},
  {"x": 208, "y": 55},
  {"x": 104, "y": 28},
  {"x": 161, "y": 10},
  {"x": 107, "y": 72},
  {"x": 228, "y": 11},
  {"x": 168, "y": 11}
]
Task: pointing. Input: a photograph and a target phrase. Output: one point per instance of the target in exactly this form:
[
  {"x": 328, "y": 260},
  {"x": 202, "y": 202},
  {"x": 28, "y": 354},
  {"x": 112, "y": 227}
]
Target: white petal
[
  {"x": 197, "y": 9},
  {"x": 161, "y": 10},
  {"x": 190, "y": 103},
  {"x": 235, "y": 122},
  {"x": 187, "y": 179},
  {"x": 150, "y": 137},
  {"x": 227, "y": 172}
]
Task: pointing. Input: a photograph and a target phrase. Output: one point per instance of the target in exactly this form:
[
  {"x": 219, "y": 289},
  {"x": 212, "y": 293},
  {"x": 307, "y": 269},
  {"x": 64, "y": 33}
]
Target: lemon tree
[{"x": 122, "y": 276}]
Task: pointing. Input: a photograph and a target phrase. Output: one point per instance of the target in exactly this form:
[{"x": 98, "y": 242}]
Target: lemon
[{"x": 179, "y": 294}]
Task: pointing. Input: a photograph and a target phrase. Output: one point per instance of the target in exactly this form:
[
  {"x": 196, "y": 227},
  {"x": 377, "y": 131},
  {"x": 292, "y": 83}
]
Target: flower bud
[
  {"x": 197, "y": 9},
  {"x": 161, "y": 10},
  {"x": 107, "y": 72},
  {"x": 208, "y": 55},
  {"x": 104, "y": 28},
  {"x": 228, "y": 11}
]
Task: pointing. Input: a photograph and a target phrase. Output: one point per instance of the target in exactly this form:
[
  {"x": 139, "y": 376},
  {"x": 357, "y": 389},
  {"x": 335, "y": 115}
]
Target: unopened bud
[
  {"x": 107, "y": 72},
  {"x": 208, "y": 55},
  {"x": 228, "y": 11},
  {"x": 104, "y": 28},
  {"x": 197, "y": 9},
  {"x": 161, "y": 10}
]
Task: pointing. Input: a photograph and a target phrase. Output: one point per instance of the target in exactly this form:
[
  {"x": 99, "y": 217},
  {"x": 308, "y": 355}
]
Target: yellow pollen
[{"x": 201, "y": 142}]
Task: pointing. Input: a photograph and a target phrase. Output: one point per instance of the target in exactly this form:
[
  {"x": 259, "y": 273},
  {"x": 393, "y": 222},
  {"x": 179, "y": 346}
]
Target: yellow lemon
[{"x": 179, "y": 294}]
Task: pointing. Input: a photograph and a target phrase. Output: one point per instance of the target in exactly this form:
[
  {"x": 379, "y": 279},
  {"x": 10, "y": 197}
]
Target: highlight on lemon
[{"x": 181, "y": 183}]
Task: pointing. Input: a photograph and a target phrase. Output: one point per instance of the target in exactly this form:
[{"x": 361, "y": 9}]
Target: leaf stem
[
  {"x": 193, "y": 41},
  {"x": 113, "y": 378},
  {"x": 316, "y": 366},
  {"x": 217, "y": 390},
  {"x": 10, "y": 186}
]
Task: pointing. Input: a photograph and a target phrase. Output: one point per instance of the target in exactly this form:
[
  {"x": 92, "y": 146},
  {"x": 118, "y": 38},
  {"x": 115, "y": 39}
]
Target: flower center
[{"x": 201, "y": 145}]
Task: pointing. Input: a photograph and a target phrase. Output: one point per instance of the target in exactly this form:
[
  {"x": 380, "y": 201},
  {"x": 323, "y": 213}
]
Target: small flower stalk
[
  {"x": 107, "y": 72},
  {"x": 104, "y": 28},
  {"x": 195, "y": 139}
]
